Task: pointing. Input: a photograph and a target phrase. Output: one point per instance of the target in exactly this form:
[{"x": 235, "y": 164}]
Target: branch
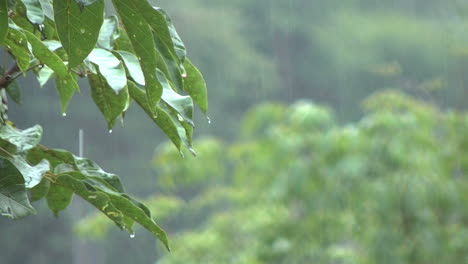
[{"x": 9, "y": 76}]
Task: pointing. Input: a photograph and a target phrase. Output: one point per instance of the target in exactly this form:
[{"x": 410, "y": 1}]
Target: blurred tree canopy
[{"x": 297, "y": 187}]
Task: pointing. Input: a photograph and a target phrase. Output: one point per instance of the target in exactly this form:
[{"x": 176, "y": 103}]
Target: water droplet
[
  {"x": 64, "y": 114},
  {"x": 110, "y": 131},
  {"x": 117, "y": 92},
  {"x": 182, "y": 154},
  {"x": 132, "y": 235},
  {"x": 184, "y": 75},
  {"x": 209, "y": 120},
  {"x": 82, "y": 30}
]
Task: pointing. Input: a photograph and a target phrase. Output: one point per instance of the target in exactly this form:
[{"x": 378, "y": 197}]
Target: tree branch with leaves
[{"x": 133, "y": 56}]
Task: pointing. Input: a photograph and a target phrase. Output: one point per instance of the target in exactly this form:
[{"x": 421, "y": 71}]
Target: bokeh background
[{"x": 339, "y": 134}]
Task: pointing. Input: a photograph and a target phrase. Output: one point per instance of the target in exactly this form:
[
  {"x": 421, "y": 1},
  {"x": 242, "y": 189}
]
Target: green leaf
[
  {"x": 141, "y": 37},
  {"x": 78, "y": 27},
  {"x": 58, "y": 198},
  {"x": 46, "y": 56},
  {"x": 40, "y": 191},
  {"x": 162, "y": 119},
  {"x": 14, "y": 201},
  {"x": 14, "y": 91},
  {"x": 117, "y": 206},
  {"x": 110, "y": 68},
  {"x": 16, "y": 42},
  {"x": 3, "y": 20},
  {"x": 110, "y": 103},
  {"x": 109, "y": 33},
  {"x": 175, "y": 40},
  {"x": 34, "y": 11},
  {"x": 54, "y": 156},
  {"x": 77, "y": 183},
  {"x": 91, "y": 169},
  {"x": 43, "y": 75},
  {"x": 132, "y": 65},
  {"x": 47, "y": 8},
  {"x": 173, "y": 66},
  {"x": 66, "y": 88},
  {"x": 17, "y": 141},
  {"x": 182, "y": 104},
  {"x": 195, "y": 86},
  {"x": 32, "y": 174}
]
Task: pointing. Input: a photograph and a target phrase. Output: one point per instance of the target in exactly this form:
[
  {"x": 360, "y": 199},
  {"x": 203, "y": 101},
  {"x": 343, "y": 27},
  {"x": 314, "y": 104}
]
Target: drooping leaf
[
  {"x": 176, "y": 41},
  {"x": 119, "y": 207},
  {"x": 182, "y": 104},
  {"x": 14, "y": 201},
  {"x": 32, "y": 174},
  {"x": 43, "y": 75},
  {"x": 195, "y": 86},
  {"x": 66, "y": 88},
  {"x": 162, "y": 119},
  {"x": 173, "y": 65},
  {"x": 54, "y": 156},
  {"x": 58, "y": 198},
  {"x": 91, "y": 169},
  {"x": 16, "y": 42},
  {"x": 77, "y": 183},
  {"x": 3, "y": 20},
  {"x": 78, "y": 27},
  {"x": 34, "y": 11},
  {"x": 17, "y": 141},
  {"x": 40, "y": 191},
  {"x": 109, "y": 33},
  {"x": 132, "y": 65},
  {"x": 141, "y": 37},
  {"x": 110, "y": 68},
  {"x": 46, "y": 56},
  {"x": 110, "y": 103}
]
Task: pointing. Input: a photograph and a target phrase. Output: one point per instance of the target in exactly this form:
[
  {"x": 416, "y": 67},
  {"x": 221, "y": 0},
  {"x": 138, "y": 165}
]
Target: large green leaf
[
  {"x": 17, "y": 43},
  {"x": 3, "y": 20},
  {"x": 15, "y": 141},
  {"x": 110, "y": 68},
  {"x": 14, "y": 201},
  {"x": 195, "y": 86},
  {"x": 141, "y": 37},
  {"x": 109, "y": 33},
  {"x": 78, "y": 27},
  {"x": 119, "y": 207},
  {"x": 162, "y": 119},
  {"x": 34, "y": 11},
  {"x": 175, "y": 40},
  {"x": 110, "y": 103},
  {"x": 173, "y": 66}
]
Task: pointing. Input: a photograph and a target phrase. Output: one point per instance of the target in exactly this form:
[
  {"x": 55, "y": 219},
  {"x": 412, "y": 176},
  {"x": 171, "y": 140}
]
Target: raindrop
[
  {"x": 116, "y": 92},
  {"x": 132, "y": 235},
  {"x": 184, "y": 75},
  {"x": 82, "y": 31},
  {"x": 182, "y": 154},
  {"x": 208, "y": 119},
  {"x": 110, "y": 131},
  {"x": 64, "y": 114}
]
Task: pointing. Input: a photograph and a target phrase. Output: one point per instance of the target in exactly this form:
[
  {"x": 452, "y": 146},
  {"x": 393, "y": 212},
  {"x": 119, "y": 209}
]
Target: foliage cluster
[{"x": 136, "y": 56}]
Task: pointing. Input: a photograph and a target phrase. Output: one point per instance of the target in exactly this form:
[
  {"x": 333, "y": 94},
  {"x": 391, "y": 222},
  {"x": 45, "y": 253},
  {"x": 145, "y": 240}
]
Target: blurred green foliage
[{"x": 297, "y": 187}]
